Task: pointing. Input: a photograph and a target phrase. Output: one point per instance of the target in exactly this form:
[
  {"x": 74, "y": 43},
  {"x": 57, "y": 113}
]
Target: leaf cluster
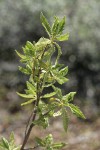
[
  {"x": 48, "y": 143},
  {"x": 9, "y": 145},
  {"x": 43, "y": 73}
]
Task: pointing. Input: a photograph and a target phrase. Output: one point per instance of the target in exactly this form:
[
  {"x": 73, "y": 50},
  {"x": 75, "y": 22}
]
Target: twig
[
  {"x": 28, "y": 122},
  {"x": 28, "y": 130}
]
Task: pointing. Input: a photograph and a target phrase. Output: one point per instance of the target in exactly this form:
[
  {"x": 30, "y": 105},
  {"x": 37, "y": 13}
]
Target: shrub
[{"x": 44, "y": 73}]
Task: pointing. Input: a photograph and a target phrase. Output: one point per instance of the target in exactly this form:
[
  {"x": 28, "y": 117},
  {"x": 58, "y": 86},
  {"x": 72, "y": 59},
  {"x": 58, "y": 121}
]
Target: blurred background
[{"x": 20, "y": 22}]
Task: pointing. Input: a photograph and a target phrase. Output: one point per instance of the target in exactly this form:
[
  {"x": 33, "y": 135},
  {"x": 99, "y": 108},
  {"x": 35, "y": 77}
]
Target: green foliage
[
  {"x": 48, "y": 143},
  {"x": 45, "y": 24},
  {"x": 65, "y": 118},
  {"x": 9, "y": 145},
  {"x": 76, "y": 111},
  {"x": 37, "y": 60}
]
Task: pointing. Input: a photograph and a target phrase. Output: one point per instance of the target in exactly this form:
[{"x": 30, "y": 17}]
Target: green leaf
[
  {"x": 63, "y": 37},
  {"x": 61, "y": 25},
  {"x": 48, "y": 85},
  {"x": 12, "y": 139},
  {"x": 25, "y": 95},
  {"x": 58, "y": 91},
  {"x": 29, "y": 49},
  {"x": 76, "y": 110},
  {"x": 64, "y": 71},
  {"x": 5, "y": 143},
  {"x": 65, "y": 119},
  {"x": 20, "y": 55},
  {"x": 1, "y": 146},
  {"x": 30, "y": 45},
  {"x": 59, "y": 52},
  {"x": 58, "y": 66},
  {"x": 58, "y": 145},
  {"x": 23, "y": 70},
  {"x": 69, "y": 97},
  {"x": 61, "y": 79},
  {"x": 55, "y": 26},
  {"x": 31, "y": 87},
  {"x": 45, "y": 24},
  {"x": 49, "y": 140},
  {"x": 40, "y": 141},
  {"x": 48, "y": 95},
  {"x": 42, "y": 121},
  {"x": 58, "y": 75},
  {"x": 42, "y": 43},
  {"x": 25, "y": 60},
  {"x": 28, "y": 102}
]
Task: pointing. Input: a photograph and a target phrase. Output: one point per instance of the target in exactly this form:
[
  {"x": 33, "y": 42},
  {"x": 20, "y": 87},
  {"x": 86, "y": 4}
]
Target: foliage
[
  {"x": 17, "y": 26},
  {"x": 9, "y": 145},
  {"x": 48, "y": 143},
  {"x": 43, "y": 73}
]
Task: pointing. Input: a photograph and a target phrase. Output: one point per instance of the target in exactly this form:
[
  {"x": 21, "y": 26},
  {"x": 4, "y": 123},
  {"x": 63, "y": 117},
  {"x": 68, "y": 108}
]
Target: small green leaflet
[
  {"x": 69, "y": 97},
  {"x": 48, "y": 95},
  {"x": 59, "y": 52},
  {"x": 58, "y": 145},
  {"x": 65, "y": 119},
  {"x": 25, "y": 95},
  {"x": 12, "y": 139},
  {"x": 75, "y": 109},
  {"x": 20, "y": 55},
  {"x": 61, "y": 79},
  {"x": 49, "y": 139},
  {"x": 64, "y": 71},
  {"x": 63, "y": 37},
  {"x": 42, "y": 121},
  {"x": 58, "y": 77},
  {"x": 23, "y": 70},
  {"x": 61, "y": 25},
  {"x": 57, "y": 66},
  {"x": 58, "y": 26},
  {"x": 45, "y": 24},
  {"x": 55, "y": 26},
  {"x": 5, "y": 144},
  {"x": 40, "y": 141},
  {"x": 9, "y": 145},
  {"x": 58, "y": 91},
  {"x": 43, "y": 42},
  {"x": 28, "y": 102},
  {"x": 30, "y": 45},
  {"x": 29, "y": 49},
  {"x": 31, "y": 87}
]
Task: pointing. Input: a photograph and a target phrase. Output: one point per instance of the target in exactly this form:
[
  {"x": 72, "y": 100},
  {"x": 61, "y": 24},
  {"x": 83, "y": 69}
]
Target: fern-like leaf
[
  {"x": 65, "y": 119},
  {"x": 76, "y": 110},
  {"x": 63, "y": 37},
  {"x": 45, "y": 24}
]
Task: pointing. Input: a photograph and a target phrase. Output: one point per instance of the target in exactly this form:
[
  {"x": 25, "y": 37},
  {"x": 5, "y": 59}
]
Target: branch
[
  {"x": 28, "y": 122},
  {"x": 29, "y": 130}
]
